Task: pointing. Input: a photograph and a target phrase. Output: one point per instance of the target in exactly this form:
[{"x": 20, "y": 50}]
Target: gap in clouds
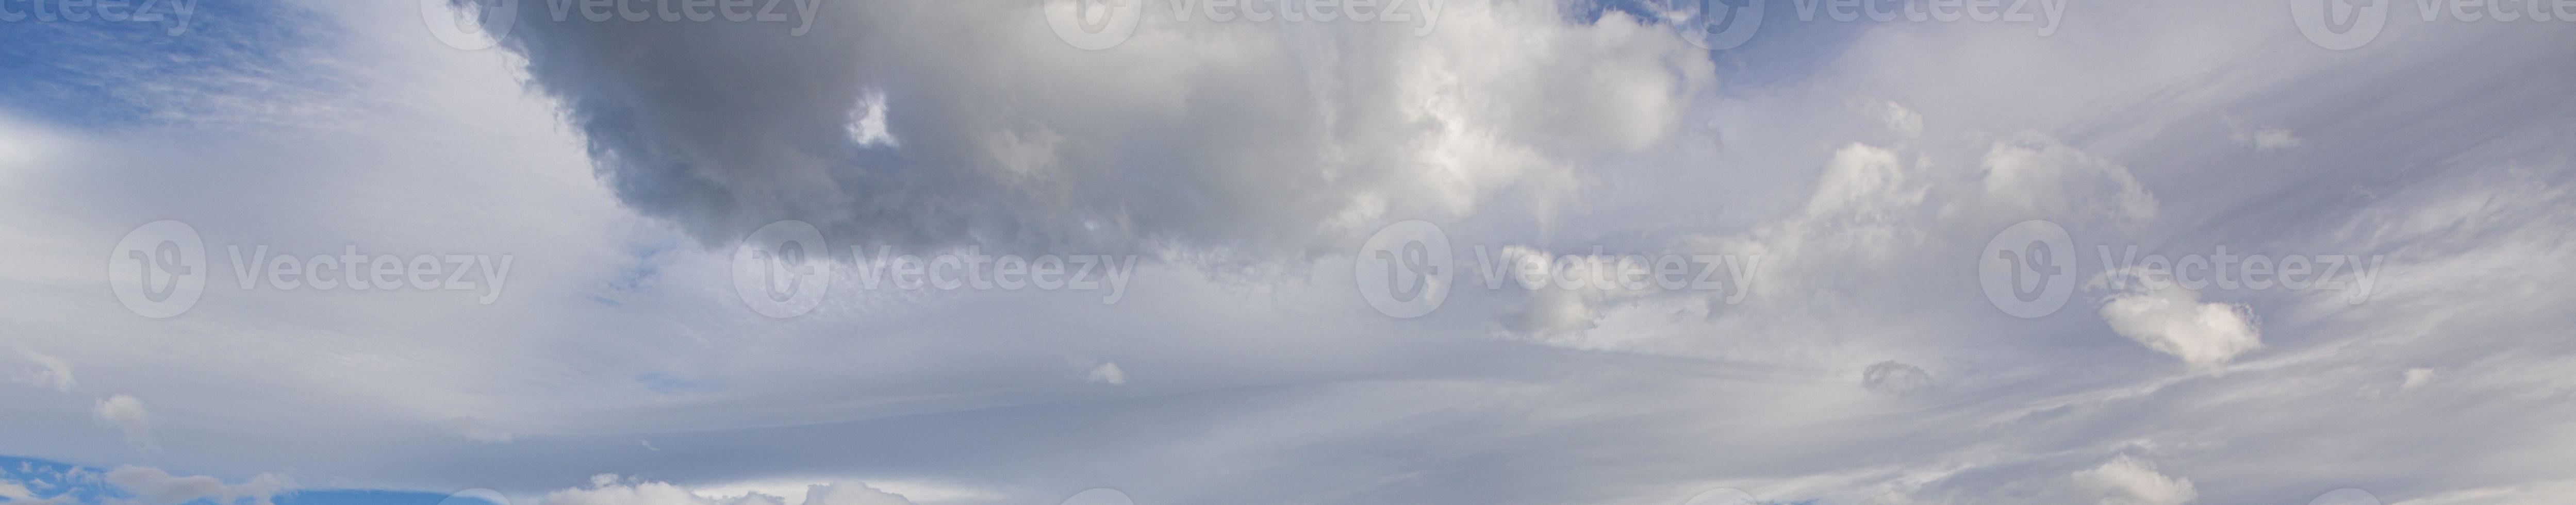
[{"x": 237, "y": 63}]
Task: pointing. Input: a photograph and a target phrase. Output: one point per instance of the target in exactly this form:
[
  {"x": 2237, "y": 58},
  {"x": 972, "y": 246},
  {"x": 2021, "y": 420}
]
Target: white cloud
[
  {"x": 2127, "y": 480},
  {"x": 15, "y": 491},
  {"x": 152, "y": 486},
  {"x": 1106, "y": 373},
  {"x": 609, "y": 490},
  {"x": 2174, "y": 321},
  {"x": 127, "y": 414},
  {"x": 45, "y": 371},
  {"x": 2418, "y": 377},
  {"x": 1896, "y": 379}
]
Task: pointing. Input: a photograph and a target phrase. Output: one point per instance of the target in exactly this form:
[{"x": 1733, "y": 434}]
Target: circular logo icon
[
  {"x": 1093, "y": 25},
  {"x": 159, "y": 270},
  {"x": 2029, "y": 269},
  {"x": 2340, "y": 24},
  {"x": 490, "y": 21},
  {"x": 1722, "y": 496},
  {"x": 782, "y": 269},
  {"x": 1719, "y": 25},
  {"x": 2346, "y": 496},
  {"x": 1404, "y": 269},
  {"x": 1099, "y": 496},
  {"x": 476, "y": 496}
]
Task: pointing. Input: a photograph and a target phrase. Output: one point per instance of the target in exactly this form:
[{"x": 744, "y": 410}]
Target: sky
[{"x": 935, "y": 252}]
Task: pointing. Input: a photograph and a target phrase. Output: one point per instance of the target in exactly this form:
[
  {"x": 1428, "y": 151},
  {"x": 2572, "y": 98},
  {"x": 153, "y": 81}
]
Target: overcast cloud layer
[{"x": 1859, "y": 174}]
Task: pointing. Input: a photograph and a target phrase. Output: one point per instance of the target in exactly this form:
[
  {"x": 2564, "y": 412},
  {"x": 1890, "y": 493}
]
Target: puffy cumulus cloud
[
  {"x": 2417, "y": 377},
  {"x": 2029, "y": 175},
  {"x": 2126, "y": 480},
  {"x": 648, "y": 493},
  {"x": 1106, "y": 373},
  {"x": 152, "y": 486},
  {"x": 127, "y": 415},
  {"x": 1566, "y": 293},
  {"x": 975, "y": 124},
  {"x": 15, "y": 491},
  {"x": 44, "y": 371},
  {"x": 609, "y": 490},
  {"x": 1896, "y": 379},
  {"x": 1877, "y": 217},
  {"x": 2173, "y": 320},
  {"x": 850, "y": 493}
]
